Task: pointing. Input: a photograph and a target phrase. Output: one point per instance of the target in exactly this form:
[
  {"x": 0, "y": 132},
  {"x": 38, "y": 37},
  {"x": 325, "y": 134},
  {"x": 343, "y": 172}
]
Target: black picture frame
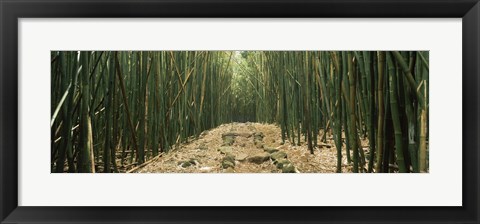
[{"x": 11, "y": 11}]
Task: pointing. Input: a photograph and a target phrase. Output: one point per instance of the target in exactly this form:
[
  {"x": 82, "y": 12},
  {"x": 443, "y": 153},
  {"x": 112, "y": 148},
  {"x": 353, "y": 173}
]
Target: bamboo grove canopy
[{"x": 115, "y": 108}]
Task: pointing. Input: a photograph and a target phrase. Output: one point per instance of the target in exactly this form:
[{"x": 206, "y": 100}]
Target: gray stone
[
  {"x": 228, "y": 140},
  {"x": 204, "y": 133},
  {"x": 226, "y": 164},
  {"x": 230, "y": 170},
  {"x": 278, "y": 155},
  {"x": 270, "y": 150},
  {"x": 241, "y": 157},
  {"x": 281, "y": 163},
  {"x": 230, "y": 134},
  {"x": 258, "y": 139},
  {"x": 288, "y": 168},
  {"x": 235, "y": 134},
  {"x": 259, "y": 158},
  {"x": 193, "y": 161},
  {"x": 185, "y": 164},
  {"x": 225, "y": 150},
  {"x": 230, "y": 158},
  {"x": 228, "y": 161}
]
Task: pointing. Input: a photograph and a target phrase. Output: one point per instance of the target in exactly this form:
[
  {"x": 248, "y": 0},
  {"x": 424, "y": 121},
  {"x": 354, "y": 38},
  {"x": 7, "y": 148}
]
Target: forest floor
[{"x": 248, "y": 148}]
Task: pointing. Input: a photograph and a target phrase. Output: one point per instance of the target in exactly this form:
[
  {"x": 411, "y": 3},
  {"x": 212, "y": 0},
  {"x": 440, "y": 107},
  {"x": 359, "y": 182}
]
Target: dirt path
[{"x": 246, "y": 148}]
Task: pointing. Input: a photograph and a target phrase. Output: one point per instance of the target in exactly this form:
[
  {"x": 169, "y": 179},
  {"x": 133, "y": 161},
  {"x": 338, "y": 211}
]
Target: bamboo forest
[{"x": 239, "y": 112}]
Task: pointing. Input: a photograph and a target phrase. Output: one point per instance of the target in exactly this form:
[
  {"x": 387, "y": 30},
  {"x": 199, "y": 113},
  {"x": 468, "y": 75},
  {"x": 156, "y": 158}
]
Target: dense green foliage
[
  {"x": 135, "y": 104},
  {"x": 115, "y": 110}
]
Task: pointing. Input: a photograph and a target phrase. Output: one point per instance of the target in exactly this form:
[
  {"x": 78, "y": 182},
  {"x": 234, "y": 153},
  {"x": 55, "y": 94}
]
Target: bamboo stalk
[
  {"x": 395, "y": 117},
  {"x": 353, "y": 122},
  {"x": 379, "y": 143}
]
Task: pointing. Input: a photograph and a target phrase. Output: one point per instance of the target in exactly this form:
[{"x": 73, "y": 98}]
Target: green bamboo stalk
[
  {"x": 86, "y": 160},
  {"x": 369, "y": 59},
  {"x": 353, "y": 122},
  {"x": 395, "y": 116},
  {"x": 409, "y": 76},
  {"x": 423, "y": 107},
  {"x": 107, "y": 160},
  {"x": 380, "y": 128},
  {"x": 412, "y": 148},
  {"x": 125, "y": 101},
  {"x": 338, "y": 112},
  {"x": 66, "y": 147}
]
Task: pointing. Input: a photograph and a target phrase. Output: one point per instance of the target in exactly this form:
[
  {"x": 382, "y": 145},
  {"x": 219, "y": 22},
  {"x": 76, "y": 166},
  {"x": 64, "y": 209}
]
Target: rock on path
[{"x": 245, "y": 148}]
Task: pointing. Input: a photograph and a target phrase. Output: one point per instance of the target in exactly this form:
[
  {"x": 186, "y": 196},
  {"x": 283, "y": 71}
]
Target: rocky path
[{"x": 246, "y": 148}]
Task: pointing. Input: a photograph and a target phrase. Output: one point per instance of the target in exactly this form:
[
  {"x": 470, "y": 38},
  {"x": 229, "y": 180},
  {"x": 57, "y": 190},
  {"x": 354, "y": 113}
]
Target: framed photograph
[{"x": 239, "y": 111}]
